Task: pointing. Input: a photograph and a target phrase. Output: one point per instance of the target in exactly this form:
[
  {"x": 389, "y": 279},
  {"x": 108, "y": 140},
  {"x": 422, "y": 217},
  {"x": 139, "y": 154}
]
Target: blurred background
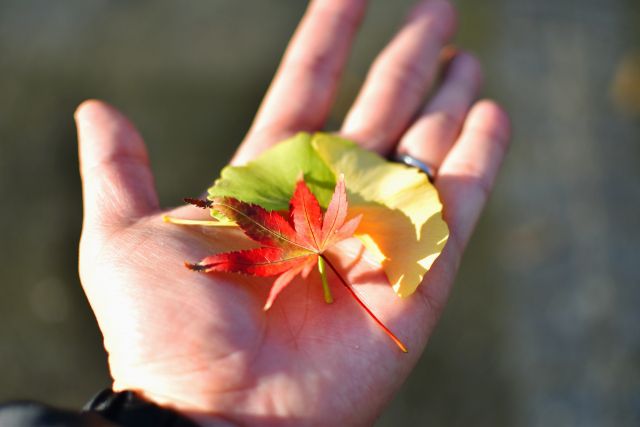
[{"x": 543, "y": 327}]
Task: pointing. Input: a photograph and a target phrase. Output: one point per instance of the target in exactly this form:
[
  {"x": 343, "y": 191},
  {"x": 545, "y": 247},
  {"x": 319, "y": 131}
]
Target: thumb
[{"x": 117, "y": 183}]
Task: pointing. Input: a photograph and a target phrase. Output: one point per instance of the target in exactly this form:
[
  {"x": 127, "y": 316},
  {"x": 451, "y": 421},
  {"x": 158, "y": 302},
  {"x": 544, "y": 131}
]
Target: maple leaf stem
[
  {"x": 181, "y": 221},
  {"x": 364, "y": 306},
  {"x": 328, "y": 298}
]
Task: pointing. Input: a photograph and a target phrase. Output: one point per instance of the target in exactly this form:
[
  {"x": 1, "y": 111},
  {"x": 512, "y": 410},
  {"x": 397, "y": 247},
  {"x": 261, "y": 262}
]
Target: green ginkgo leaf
[{"x": 270, "y": 179}]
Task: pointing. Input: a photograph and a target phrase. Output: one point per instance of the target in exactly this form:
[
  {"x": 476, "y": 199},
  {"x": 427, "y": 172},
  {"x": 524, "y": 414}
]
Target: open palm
[{"x": 200, "y": 342}]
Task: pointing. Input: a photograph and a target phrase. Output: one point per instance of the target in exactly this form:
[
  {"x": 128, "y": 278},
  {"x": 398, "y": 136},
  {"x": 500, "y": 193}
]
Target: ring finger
[{"x": 437, "y": 127}]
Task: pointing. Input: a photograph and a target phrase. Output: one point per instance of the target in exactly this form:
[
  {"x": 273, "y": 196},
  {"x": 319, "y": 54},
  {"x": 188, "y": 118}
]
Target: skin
[{"x": 200, "y": 343}]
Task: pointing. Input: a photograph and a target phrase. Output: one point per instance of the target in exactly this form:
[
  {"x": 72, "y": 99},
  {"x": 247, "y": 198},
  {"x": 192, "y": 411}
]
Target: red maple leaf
[{"x": 290, "y": 247}]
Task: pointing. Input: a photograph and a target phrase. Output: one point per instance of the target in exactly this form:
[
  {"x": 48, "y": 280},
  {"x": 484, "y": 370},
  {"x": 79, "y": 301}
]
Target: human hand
[{"x": 200, "y": 342}]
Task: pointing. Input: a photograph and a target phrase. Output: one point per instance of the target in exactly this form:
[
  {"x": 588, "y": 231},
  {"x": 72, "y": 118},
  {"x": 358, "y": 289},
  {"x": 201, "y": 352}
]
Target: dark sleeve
[{"x": 107, "y": 409}]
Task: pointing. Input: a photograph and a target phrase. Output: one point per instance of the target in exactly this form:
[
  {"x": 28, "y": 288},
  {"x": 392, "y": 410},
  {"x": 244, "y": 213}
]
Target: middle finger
[{"x": 400, "y": 76}]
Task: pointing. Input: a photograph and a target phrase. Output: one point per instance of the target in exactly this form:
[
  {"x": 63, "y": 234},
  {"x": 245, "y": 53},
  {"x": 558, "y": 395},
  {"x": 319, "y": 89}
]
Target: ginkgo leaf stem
[
  {"x": 181, "y": 221},
  {"x": 328, "y": 298},
  {"x": 364, "y": 306}
]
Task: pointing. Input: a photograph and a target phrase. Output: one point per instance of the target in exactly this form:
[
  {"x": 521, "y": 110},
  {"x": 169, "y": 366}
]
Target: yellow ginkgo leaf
[{"x": 402, "y": 223}]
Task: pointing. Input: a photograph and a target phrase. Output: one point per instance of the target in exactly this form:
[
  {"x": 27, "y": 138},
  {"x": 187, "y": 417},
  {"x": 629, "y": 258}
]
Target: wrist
[
  {"x": 129, "y": 408},
  {"x": 196, "y": 413}
]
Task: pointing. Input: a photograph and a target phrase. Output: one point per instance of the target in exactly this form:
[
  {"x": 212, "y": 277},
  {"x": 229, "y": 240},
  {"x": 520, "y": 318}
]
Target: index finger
[{"x": 305, "y": 84}]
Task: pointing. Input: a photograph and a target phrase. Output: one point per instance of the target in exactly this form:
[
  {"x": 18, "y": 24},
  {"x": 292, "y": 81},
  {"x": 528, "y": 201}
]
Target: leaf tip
[
  {"x": 196, "y": 266},
  {"x": 204, "y": 204}
]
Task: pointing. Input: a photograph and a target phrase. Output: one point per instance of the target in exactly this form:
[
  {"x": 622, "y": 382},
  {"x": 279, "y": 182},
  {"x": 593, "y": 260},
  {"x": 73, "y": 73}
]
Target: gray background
[{"x": 542, "y": 328}]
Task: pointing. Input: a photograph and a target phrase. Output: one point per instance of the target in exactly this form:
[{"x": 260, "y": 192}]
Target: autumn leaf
[
  {"x": 290, "y": 246},
  {"x": 402, "y": 225}
]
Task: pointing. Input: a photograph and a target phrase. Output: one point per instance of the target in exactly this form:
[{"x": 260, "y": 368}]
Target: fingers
[
  {"x": 467, "y": 174},
  {"x": 439, "y": 124},
  {"x": 400, "y": 77},
  {"x": 117, "y": 183},
  {"x": 305, "y": 84}
]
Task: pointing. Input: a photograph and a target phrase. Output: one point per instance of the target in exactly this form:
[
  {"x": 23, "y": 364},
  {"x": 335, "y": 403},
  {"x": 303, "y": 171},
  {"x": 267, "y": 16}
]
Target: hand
[{"x": 200, "y": 342}]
